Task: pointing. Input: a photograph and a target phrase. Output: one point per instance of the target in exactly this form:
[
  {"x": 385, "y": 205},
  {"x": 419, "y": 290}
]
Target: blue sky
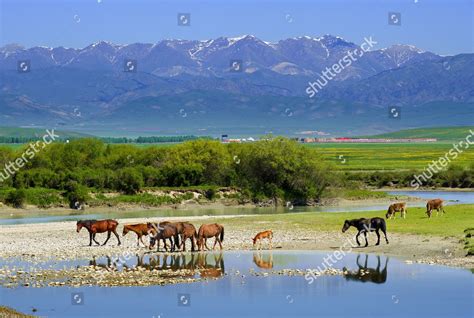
[{"x": 442, "y": 26}]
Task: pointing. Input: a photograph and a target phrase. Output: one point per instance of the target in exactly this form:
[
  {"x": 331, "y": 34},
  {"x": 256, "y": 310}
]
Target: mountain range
[{"x": 239, "y": 85}]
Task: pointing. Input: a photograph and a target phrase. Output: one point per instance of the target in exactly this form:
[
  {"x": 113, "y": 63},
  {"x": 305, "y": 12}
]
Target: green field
[
  {"x": 457, "y": 219},
  {"x": 371, "y": 157},
  {"x": 441, "y": 133}
]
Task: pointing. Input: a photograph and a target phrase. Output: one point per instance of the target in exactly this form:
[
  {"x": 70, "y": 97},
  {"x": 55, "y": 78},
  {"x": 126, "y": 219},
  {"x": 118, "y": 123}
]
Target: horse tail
[{"x": 222, "y": 234}]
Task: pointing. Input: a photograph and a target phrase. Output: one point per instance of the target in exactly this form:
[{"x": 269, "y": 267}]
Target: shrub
[
  {"x": 16, "y": 198},
  {"x": 76, "y": 194},
  {"x": 130, "y": 181}
]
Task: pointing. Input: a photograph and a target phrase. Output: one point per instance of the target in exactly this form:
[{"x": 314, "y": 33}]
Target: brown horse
[
  {"x": 260, "y": 236},
  {"x": 139, "y": 229},
  {"x": 435, "y": 204},
  {"x": 207, "y": 231},
  {"x": 396, "y": 207},
  {"x": 94, "y": 227},
  {"x": 188, "y": 232},
  {"x": 167, "y": 231}
]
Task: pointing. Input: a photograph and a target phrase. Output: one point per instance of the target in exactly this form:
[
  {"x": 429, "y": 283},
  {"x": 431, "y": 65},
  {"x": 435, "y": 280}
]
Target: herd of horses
[
  {"x": 377, "y": 224},
  {"x": 177, "y": 233}
]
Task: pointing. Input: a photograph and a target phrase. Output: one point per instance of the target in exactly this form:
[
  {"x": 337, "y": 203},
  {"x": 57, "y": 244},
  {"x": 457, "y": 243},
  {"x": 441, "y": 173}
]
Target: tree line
[{"x": 273, "y": 168}]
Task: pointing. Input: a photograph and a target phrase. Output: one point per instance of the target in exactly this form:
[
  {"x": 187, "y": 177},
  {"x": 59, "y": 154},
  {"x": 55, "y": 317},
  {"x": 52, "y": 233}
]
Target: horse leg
[
  {"x": 220, "y": 243},
  {"x": 93, "y": 237},
  {"x": 117, "y": 236},
  {"x": 215, "y": 242},
  {"x": 108, "y": 237},
  {"x": 357, "y": 238},
  {"x": 270, "y": 239},
  {"x": 366, "y": 242},
  {"x": 385, "y": 234},
  {"x": 205, "y": 244},
  {"x": 378, "y": 237},
  {"x": 138, "y": 240},
  {"x": 90, "y": 238}
]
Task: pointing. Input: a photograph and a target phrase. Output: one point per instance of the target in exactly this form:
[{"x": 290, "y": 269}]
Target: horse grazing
[
  {"x": 94, "y": 227},
  {"x": 367, "y": 225},
  {"x": 435, "y": 204},
  {"x": 167, "y": 231},
  {"x": 207, "y": 231},
  {"x": 396, "y": 207},
  {"x": 260, "y": 236},
  {"x": 139, "y": 229}
]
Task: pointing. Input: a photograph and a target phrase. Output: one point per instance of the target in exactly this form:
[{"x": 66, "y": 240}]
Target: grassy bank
[{"x": 453, "y": 224}]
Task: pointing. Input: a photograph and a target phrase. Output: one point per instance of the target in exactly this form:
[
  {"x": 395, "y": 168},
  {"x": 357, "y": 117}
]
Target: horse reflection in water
[
  {"x": 366, "y": 274},
  {"x": 263, "y": 262},
  {"x": 205, "y": 265}
]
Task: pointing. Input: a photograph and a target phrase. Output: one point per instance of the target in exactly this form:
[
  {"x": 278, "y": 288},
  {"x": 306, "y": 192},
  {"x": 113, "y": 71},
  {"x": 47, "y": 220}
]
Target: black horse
[{"x": 364, "y": 225}]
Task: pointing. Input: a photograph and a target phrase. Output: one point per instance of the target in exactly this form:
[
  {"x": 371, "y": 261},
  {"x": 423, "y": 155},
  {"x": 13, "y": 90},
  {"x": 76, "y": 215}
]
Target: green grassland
[
  {"x": 441, "y": 133},
  {"x": 453, "y": 224},
  {"x": 369, "y": 157}
]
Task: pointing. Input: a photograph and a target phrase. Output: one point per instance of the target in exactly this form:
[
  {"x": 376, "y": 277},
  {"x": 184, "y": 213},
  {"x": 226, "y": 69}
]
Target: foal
[
  {"x": 260, "y": 236},
  {"x": 139, "y": 229}
]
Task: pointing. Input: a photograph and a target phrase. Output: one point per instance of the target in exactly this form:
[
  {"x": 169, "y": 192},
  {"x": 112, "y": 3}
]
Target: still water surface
[{"x": 376, "y": 286}]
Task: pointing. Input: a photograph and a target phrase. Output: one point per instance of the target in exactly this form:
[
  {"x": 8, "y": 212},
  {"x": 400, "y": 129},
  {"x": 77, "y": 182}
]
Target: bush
[
  {"x": 130, "y": 181},
  {"x": 16, "y": 198},
  {"x": 210, "y": 194},
  {"x": 76, "y": 194}
]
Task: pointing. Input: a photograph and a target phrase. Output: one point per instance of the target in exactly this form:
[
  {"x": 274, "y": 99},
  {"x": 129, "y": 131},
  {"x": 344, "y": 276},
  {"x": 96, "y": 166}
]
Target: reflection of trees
[
  {"x": 367, "y": 274},
  {"x": 263, "y": 262}
]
